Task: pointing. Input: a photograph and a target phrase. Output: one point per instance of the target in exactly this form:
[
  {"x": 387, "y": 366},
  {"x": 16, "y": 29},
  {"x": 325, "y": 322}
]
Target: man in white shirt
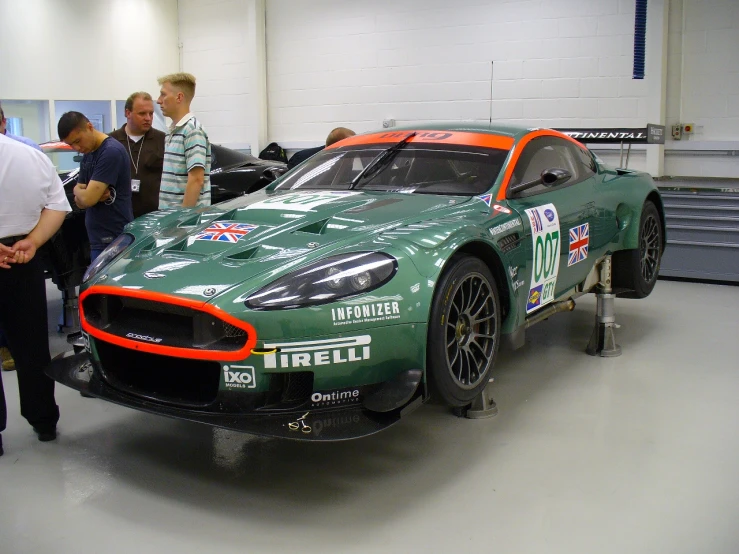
[{"x": 32, "y": 208}]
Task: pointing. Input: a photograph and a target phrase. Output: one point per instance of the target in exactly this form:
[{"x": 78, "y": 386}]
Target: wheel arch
[
  {"x": 631, "y": 239},
  {"x": 491, "y": 258}
]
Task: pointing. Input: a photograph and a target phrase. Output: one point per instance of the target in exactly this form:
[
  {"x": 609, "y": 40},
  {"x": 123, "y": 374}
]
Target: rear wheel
[
  {"x": 638, "y": 269},
  {"x": 464, "y": 331}
]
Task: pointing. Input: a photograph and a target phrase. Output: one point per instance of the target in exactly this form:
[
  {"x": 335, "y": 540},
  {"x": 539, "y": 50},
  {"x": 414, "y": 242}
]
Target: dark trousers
[{"x": 23, "y": 320}]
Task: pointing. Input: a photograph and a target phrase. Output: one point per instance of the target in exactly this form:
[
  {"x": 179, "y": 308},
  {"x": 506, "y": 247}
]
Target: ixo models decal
[
  {"x": 312, "y": 353},
  {"x": 225, "y": 231},
  {"x": 239, "y": 377},
  {"x": 545, "y": 242},
  {"x": 579, "y": 242},
  {"x": 335, "y": 397},
  {"x": 301, "y": 201},
  {"x": 366, "y": 313}
]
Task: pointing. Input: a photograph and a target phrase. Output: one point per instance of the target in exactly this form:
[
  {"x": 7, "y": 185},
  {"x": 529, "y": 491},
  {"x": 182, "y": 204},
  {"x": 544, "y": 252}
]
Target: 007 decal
[{"x": 545, "y": 242}]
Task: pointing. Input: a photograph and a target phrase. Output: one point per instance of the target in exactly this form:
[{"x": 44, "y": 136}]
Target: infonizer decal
[
  {"x": 579, "y": 242},
  {"x": 301, "y": 201},
  {"x": 312, "y": 353},
  {"x": 545, "y": 241},
  {"x": 225, "y": 231},
  {"x": 366, "y": 312}
]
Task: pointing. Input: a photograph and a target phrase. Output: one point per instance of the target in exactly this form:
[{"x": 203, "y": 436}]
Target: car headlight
[
  {"x": 326, "y": 281},
  {"x": 107, "y": 256}
]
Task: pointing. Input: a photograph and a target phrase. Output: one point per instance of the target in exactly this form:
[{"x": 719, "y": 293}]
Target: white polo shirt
[{"x": 28, "y": 184}]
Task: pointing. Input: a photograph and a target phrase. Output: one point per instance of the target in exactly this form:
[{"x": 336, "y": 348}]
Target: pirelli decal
[{"x": 312, "y": 353}]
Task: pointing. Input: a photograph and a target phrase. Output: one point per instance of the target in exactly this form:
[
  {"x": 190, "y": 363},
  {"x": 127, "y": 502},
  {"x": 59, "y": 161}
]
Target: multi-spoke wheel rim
[
  {"x": 470, "y": 331},
  {"x": 649, "y": 249}
]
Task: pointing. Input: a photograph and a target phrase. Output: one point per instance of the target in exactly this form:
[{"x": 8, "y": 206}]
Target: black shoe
[
  {"x": 86, "y": 395},
  {"x": 45, "y": 435}
]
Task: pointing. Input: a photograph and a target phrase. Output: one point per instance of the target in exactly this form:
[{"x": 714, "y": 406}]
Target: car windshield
[{"x": 416, "y": 168}]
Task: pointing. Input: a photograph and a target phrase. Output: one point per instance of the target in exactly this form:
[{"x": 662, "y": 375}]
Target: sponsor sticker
[
  {"x": 311, "y": 353},
  {"x": 335, "y": 397},
  {"x": 487, "y": 198},
  {"x": 545, "y": 245},
  {"x": 501, "y": 209},
  {"x": 225, "y": 231},
  {"x": 579, "y": 242},
  {"x": 301, "y": 201},
  {"x": 239, "y": 377},
  {"x": 507, "y": 226},
  {"x": 368, "y": 312}
]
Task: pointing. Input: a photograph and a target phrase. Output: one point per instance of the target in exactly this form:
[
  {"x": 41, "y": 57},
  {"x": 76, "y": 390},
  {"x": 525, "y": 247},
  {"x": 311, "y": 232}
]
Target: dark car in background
[{"x": 67, "y": 254}]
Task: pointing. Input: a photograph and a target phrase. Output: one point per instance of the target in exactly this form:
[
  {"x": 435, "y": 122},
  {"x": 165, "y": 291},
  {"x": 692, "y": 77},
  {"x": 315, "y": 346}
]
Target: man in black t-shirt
[{"x": 103, "y": 183}]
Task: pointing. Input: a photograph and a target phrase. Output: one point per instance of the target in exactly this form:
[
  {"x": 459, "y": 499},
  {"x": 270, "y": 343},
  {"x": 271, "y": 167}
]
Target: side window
[
  {"x": 549, "y": 153},
  {"x": 586, "y": 161}
]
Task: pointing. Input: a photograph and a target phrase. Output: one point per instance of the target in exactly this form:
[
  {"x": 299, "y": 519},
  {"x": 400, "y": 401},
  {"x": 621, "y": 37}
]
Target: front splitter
[{"x": 321, "y": 425}]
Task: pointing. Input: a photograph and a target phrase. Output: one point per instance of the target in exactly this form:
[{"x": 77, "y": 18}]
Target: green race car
[{"x": 385, "y": 269}]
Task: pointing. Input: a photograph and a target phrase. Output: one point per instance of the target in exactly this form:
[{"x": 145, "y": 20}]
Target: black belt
[{"x": 10, "y": 241}]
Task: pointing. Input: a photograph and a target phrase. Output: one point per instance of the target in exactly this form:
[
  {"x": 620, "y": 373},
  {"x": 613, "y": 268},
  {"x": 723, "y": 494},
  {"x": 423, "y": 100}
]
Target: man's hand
[
  {"x": 6, "y": 256},
  {"x": 78, "y": 188},
  {"x": 22, "y": 252}
]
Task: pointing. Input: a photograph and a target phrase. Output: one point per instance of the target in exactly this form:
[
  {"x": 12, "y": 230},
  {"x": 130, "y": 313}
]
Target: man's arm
[
  {"x": 90, "y": 194},
  {"x": 49, "y": 223},
  {"x": 195, "y": 180}
]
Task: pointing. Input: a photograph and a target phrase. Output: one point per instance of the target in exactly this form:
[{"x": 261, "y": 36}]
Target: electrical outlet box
[
  {"x": 677, "y": 131},
  {"x": 688, "y": 128},
  {"x": 387, "y": 123}
]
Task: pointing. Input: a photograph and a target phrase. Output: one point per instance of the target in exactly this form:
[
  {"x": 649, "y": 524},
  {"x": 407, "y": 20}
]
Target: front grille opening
[
  {"x": 172, "y": 380},
  {"x": 162, "y": 323}
]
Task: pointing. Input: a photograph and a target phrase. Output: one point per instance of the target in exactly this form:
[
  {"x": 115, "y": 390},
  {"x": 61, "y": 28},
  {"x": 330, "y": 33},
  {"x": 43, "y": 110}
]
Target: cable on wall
[{"x": 640, "y": 36}]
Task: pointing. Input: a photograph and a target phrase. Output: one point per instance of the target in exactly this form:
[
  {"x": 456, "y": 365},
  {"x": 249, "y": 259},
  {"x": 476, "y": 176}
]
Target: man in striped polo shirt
[{"x": 186, "y": 170}]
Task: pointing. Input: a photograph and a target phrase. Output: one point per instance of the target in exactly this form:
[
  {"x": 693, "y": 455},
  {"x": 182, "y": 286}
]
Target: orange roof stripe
[{"x": 461, "y": 138}]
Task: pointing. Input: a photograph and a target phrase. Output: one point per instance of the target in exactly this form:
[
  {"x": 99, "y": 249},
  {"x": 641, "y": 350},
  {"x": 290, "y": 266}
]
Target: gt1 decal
[
  {"x": 545, "y": 242},
  {"x": 365, "y": 313},
  {"x": 225, "y": 231},
  {"x": 342, "y": 396},
  {"x": 301, "y": 201},
  {"x": 503, "y": 227},
  {"x": 579, "y": 242},
  {"x": 239, "y": 377},
  {"x": 317, "y": 352}
]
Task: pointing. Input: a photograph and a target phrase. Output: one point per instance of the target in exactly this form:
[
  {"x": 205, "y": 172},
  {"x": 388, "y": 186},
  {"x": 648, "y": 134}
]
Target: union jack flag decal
[
  {"x": 579, "y": 241},
  {"x": 225, "y": 231}
]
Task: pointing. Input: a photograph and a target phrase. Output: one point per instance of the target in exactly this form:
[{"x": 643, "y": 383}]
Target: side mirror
[{"x": 549, "y": 178}]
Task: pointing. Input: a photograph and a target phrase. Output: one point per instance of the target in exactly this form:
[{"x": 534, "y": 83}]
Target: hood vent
[
  {"x": 191, "y": 221},
  {"x": 243, "y": 255},
  {"x": 316, "y": 228}
]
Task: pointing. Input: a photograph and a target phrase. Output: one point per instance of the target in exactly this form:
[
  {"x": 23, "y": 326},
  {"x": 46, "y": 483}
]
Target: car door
[{"x": 556, "y": 219}]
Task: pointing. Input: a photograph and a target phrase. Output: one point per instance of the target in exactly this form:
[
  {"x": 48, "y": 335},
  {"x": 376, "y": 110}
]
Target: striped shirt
[{"x": 187, "y": 146}]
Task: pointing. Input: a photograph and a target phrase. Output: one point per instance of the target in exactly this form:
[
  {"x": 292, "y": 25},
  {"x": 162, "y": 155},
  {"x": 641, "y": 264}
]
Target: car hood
[{"x": 250, "y": 241}]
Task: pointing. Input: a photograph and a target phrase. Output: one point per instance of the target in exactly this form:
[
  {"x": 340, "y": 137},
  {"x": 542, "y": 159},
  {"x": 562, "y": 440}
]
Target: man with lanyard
[
  {"x": 186, "y": 173},
  {"x": 32, "y": 208},
  {"x": 145, "y": 146},
  {"x": 104, "y": 182}
]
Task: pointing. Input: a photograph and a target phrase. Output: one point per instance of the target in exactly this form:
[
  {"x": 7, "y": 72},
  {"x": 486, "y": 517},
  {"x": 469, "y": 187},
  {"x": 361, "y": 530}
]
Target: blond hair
[{"x": 183, "y": 82}]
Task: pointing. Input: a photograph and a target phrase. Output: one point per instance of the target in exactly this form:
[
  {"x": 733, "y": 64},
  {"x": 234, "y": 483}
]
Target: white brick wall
[
  {"x": 557, "y": 62},
  {"x": 219, "y": 49}
]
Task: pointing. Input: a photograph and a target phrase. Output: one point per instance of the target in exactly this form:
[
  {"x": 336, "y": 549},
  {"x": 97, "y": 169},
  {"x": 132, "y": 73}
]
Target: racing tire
[
  {"x": 464, "y": 331},
  {"x": 637, "y": 269}
]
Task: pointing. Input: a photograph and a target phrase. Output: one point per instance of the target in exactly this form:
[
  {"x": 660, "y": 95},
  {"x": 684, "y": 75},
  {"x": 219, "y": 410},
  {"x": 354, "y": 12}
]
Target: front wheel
[
  {"x": 638, "y": 269},
  {"x": 464, "y": 331}
]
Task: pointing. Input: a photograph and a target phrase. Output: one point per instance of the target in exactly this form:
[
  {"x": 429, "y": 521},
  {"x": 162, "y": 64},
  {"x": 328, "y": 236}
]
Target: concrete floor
[{"x": 633, "y": 454}]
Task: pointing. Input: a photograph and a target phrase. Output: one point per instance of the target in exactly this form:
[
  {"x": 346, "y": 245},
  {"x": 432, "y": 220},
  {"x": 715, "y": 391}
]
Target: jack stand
[
  {"x": 603, "y": 340},
  {"x": 482, "y": 407}
]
